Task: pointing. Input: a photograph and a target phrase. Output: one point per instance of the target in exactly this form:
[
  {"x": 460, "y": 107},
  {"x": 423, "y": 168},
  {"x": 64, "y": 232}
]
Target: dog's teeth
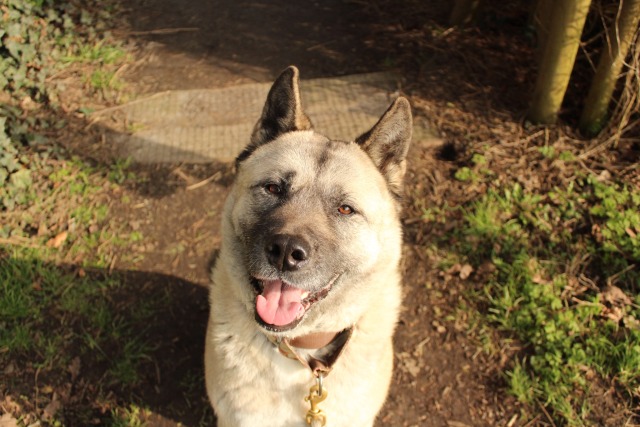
[{"x": 304, "y": 295}]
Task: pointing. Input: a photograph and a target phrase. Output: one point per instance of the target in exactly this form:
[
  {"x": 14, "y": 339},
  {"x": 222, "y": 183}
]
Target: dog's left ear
[
  {"x": 281, "y": 113},
  {"x": 388, "y": 141}
]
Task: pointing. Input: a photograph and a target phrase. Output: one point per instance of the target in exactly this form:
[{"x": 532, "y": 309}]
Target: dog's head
[{"x": 314, "y": 220}]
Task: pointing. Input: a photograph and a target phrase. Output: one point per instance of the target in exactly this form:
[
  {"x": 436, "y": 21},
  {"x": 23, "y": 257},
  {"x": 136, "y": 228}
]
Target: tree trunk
[
  {"x": 541, "y": 22},
  {"x": 610, "y": 65},
  {"x": 566, "y": 23}
]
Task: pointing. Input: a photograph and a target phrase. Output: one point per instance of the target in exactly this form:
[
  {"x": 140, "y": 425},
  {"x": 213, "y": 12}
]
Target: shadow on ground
[
  {"x": 226, "y": 42},
  {"x": 129, "y": 339},
  {"x": 200, "y": 44}
]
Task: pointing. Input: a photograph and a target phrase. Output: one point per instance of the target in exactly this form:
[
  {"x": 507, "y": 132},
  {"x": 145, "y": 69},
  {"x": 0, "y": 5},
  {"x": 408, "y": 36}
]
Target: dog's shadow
[
  {"x": 173, "y": 387},
  {"x": 130, "y": 348}
]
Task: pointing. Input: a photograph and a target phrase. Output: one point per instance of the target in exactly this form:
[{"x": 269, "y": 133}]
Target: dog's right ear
[
  {"x": 281, "y": 113},
  {"x": 387, "y": 143}
]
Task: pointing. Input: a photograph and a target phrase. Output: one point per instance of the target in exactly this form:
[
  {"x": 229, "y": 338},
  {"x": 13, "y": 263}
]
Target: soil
[{"x": 456, "y": 82}]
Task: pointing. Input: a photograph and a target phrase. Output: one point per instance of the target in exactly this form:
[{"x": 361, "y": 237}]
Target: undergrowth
[
  {"x": 54, "y": 320},
  {"x": 38, "y": 40},
  {"x": 565, "y": 284}
]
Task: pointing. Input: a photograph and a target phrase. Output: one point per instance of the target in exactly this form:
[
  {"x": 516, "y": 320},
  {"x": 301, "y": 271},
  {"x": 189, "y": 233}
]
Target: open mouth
[{"x": 280, "y": 306}]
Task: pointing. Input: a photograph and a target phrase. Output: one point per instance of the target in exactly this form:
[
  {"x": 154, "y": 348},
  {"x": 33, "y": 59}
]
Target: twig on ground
[
  {"x": 546, "y": 413},
  {"x": 161, "y": 31},
  {"x": 213, "y": 177},
  {"x": 136, "y": 101}
]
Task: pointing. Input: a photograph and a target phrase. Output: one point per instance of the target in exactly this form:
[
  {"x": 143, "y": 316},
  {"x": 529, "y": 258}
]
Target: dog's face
[{"x": 313, "y": 218}]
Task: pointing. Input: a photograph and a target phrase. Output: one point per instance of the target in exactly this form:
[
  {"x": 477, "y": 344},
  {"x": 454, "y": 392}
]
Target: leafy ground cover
[{"x": 559, "y": 284}]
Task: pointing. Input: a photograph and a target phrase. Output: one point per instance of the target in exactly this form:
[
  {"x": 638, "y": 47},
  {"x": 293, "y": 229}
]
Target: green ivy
[
  {"x": 616, "y": 207},
  {"x": 15, "y": 177},
  {"x": 37, "y": 39}
]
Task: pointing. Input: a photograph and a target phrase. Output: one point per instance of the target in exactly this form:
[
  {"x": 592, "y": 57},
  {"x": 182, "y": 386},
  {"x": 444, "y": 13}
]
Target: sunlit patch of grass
[
  {"x": 103, "y": 80},
  {"x": 567, "y": 326},
  {"x": 97, "y": 53},
  {"x": 133, "y": 416},
  {"x": 520, "y": 383}
]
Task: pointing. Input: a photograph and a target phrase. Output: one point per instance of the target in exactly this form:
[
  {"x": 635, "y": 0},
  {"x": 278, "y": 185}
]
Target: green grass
[
  {"x": 58, "y": 303},
  {"x": 104, "y": 80},
  {"x": 50, "y": 312},
  {"x": 119, "y": 171},
  {"x": 538, "y": 295},
  {"x": 128, "y": 417},
  {"x": 71, "y": 197},
  {"x": 98, "y": 53},
  {"x": 50, "y": 315}
]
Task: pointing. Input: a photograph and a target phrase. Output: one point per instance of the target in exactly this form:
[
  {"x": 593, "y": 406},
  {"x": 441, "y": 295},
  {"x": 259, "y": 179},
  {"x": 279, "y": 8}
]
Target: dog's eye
[
  {"x": 345, "y": 210},
  {"x": 273, "y": 188}
]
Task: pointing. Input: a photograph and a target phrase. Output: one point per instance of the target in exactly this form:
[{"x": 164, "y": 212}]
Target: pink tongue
[{"x": 279, "y": 303}]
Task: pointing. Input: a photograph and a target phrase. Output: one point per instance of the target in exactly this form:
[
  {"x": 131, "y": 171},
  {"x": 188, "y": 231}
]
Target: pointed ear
[
  {"x": 388, "y": 141},
  {"x": 281, "y": 113}
]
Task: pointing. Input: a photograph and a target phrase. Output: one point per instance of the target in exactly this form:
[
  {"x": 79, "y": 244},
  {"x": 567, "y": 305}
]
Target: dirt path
[{"x": 441, "y": 378}]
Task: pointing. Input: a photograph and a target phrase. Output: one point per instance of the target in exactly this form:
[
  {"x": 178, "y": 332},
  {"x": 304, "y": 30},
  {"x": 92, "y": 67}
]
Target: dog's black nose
[{"x": 286, "y": 252}]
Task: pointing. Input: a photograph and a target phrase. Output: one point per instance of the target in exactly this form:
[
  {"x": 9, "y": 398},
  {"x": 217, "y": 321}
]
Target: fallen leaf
[
  {"x": 455, "y": 268},
  {"x": 409, "y": 364},
  {"x": 42, "y": 229},
  {"x": 27, "y": 103},
  {"x": 9, "y": 405},
  {"x": 7, "y": 420},
  {"x": 486, "y": 268},
  {"x": 539, "y": 280},
  {"x": 465, "y": 271},
  {"x": 57, "y": 241},
  {"x": 631, "y": 322},
  {"x": 10, "y": 368},
  {"x": 74, "y": 368},
  {"x": 614, "y": 313},
  {"x": 615, "y": 296},
  {"x": 51, "y": 409},
  {"x": 438, "y": 327}
]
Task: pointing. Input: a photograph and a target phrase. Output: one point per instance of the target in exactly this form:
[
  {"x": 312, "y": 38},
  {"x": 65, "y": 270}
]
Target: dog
[{"x": 305, "y": 292}]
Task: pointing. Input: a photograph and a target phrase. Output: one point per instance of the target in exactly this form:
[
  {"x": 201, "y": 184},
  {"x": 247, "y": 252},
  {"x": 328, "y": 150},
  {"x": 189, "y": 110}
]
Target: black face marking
[
  {"x": 301, "y": 215},
  {"x": 288, "y": 178},
  {"x": 323, "y": 158},
  {"x": 274, "y": 191},
  {"x": 249, "y": 149}
]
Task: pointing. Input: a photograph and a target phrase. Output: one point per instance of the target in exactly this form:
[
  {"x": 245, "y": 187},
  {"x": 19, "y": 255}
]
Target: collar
[{"x": 320, "y": 366}]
